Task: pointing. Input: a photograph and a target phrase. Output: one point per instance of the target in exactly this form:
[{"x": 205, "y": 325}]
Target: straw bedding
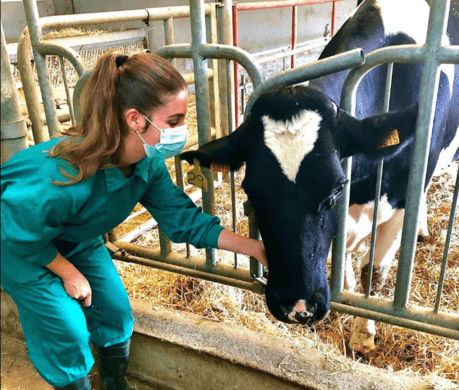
[{"x": 398, "y": 349}]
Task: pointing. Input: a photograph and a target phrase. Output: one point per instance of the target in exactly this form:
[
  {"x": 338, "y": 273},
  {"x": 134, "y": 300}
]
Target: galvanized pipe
[
  {"x": 309, "y": 71},
  {"x": 408, "y": 318},
  {"x": 224, "y": 31},
  {"x": 214, "y": 82},
  {"x": 13, "y": 126},
  {"x": 447, "y": 243},
  {"x": 40, "y": 134},
  {"x": 379, "y": 174},
  {"x": 147, "y": 14},
  {"x": 253, "y": 285},
  {"x": 176, "y": 259},
  {"x": 294, "y": 34},
  {"x": 198, "y": 34},
  {"x": 427, "y": 99},
  {"x": 266, "y": 5},
  {"x": 67, "y": 91}
]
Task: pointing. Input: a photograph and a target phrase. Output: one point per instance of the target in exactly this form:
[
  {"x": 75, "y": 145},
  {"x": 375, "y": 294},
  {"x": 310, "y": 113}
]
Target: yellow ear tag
[
  {"x": 195, "y": 176},
  {"x": 391, "y": 140}
]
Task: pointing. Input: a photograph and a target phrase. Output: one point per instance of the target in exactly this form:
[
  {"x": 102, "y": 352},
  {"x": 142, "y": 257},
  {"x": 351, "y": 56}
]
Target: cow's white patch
[
  {"x": 410, "y": 17},
  {"x": 361, "y": 219},
  {"x": 292, "y": 140}
]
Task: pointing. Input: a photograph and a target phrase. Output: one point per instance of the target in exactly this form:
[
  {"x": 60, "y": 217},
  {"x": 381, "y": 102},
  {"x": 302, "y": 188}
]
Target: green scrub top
[{"x": 35, "y": 212}]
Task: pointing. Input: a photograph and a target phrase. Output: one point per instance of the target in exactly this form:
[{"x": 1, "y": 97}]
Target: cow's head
[{"x": 292, "y": 145}]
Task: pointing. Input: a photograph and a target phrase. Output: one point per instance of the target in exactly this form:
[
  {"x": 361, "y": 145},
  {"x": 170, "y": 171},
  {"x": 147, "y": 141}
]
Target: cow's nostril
[{"x": 302, "y": 312}]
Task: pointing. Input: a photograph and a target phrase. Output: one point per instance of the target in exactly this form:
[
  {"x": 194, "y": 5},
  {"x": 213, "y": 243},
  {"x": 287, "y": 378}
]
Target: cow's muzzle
[{"x": 300, "y": 311}]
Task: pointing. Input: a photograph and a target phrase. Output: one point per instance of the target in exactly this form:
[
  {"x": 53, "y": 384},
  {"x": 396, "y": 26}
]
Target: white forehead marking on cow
[
  {"x": 292, "y": 140},
  {"x": 407, "y": 16}
]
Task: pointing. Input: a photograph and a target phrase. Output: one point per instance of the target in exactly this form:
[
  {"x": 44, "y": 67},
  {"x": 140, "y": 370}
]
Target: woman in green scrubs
[{"x": 60, "y": 196}]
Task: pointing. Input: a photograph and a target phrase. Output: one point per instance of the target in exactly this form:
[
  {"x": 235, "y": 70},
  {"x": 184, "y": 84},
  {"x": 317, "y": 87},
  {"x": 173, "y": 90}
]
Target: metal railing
[
  {"x": 432, "y": 54},
  {"x": 264, "y": 5}
]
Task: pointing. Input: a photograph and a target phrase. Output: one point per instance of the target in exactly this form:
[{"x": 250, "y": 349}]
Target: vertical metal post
[
  {"x": 447, "y": 242},
  {"x": 333, "y": 19},
  {"x": 427, "y": 98},
  {"x": 339, "y": 243},
  {"x": 214, "y": 81},
  {"x": 13, "y": 127},
  {"x": 236, "y": 71},
  {"x": 40, "y": 134},
  {"x": 390, "y": 68},
  {"x": 225, "y": 37},
  {"x": 294, "y": 33},
  {"x": 164, "y": 242},
  {"x": 31, "y": 11},
  {"x": 67, "y": 91},
  {"x": 198, "y": 33}
]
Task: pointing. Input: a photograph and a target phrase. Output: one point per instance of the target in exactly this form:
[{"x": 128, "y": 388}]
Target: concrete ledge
[{"x": 177, "y": 350}]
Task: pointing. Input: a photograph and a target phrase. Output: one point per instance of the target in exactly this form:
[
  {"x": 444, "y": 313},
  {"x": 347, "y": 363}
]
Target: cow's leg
[
  {"x": 349, "y": 276},
  {"x": 423, "y": 228},
  {"x": 388, "y": 237}
]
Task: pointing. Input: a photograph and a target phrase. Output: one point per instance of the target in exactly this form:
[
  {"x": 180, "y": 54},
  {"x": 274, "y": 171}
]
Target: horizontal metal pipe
[
  {"x": 176, "y": 259},
  {"x": 448, "y": 55},
  {"x": 399, "y": 54},
  {"x": 397, "y": 321},
  {"x": 150, "y": 14},
  {"x": 216, "y": 51},
  {"x": 309, "y": 71},
  {"x": 278, "y": 4},
  {"x": 228, "y": 52},
  {"x": 254, "y": 286},
  {"x": 289, "y": 53},
  {"x": 377, "y": 309}
]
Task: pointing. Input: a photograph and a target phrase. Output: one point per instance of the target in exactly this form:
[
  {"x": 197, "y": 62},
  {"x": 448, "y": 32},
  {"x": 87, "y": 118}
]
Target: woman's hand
[
  {"x": 75, "y": 283},
  {"x": 77, "y": 287}
]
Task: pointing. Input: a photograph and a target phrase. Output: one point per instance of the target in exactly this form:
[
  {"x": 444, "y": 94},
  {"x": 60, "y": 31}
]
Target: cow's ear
[
  {"x": 230, "y": 150},
  {"x": 376, "y": 136}
]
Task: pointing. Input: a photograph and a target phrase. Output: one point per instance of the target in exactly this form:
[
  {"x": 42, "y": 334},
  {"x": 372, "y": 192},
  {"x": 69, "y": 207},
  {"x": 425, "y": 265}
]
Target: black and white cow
[{"x": 292, "y": 144}]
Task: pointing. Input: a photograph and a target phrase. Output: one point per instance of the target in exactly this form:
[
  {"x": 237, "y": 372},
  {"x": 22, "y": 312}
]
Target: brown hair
[{"x": 118, "y": 82}]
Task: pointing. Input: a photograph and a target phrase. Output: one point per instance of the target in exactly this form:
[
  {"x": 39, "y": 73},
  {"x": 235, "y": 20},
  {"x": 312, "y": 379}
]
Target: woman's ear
[{"x": 134, "y": 119}]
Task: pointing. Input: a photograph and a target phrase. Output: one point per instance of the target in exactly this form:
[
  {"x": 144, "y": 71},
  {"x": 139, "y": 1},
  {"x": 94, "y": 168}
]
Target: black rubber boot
[
  {"x": 112, "y": 364},
  {"x": 81, "y": 384}
]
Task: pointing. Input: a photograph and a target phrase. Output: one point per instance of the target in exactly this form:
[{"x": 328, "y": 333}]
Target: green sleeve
[
  {"x": 33, "y": 212},
  {"x": 179, "y": 218}
]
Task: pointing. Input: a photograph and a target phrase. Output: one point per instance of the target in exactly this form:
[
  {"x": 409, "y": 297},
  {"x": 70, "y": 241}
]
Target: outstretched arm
[{"x": 233, "y": 242}]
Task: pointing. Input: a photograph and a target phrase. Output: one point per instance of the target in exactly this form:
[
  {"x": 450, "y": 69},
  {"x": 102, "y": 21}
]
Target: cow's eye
[{"x": 331, "y": 200}]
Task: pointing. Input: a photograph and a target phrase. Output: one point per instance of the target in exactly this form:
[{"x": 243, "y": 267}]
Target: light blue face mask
[{"x": 171, "y": 142}]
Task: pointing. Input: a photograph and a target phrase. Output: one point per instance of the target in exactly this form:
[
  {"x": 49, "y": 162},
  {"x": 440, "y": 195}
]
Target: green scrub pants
[{"x": 57, "y": 328}]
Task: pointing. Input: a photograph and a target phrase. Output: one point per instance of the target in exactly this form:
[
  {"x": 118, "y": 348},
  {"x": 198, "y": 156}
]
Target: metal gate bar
[
  {"x": 432, "y": 55},
  {"x": 273, "y": 5}
]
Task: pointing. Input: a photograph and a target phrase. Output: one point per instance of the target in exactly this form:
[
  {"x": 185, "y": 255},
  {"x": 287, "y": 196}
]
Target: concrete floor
[{"x": 18, "y": 373}]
